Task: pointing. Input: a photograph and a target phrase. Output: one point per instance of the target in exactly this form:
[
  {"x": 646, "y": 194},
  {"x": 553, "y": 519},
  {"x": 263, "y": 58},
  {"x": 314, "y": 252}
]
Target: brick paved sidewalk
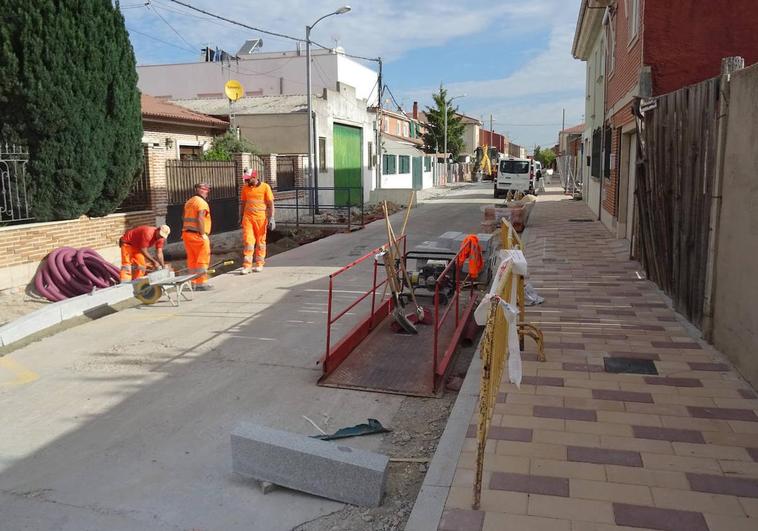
[{"x": 577, "y": 448}]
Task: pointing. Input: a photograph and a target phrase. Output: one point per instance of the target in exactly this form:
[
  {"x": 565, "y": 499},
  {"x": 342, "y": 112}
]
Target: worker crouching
[
  {"x": 196, "y": 226},
  {"x": 135, "y": 254},
  {"x": 256, "y": 216}
]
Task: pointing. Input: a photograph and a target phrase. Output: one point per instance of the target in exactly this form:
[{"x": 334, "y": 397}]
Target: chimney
[{"x": 415, "y": 110}]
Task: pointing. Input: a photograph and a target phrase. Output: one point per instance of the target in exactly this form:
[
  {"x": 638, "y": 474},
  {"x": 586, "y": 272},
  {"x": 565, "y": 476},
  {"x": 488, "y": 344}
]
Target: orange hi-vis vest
[
  {"x": 255, "y": 199},
  {"x": 191, "y": 217}
]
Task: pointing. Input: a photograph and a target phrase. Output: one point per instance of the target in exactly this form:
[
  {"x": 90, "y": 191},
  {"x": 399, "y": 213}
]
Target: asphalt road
[{"x": 123, "y": 423}]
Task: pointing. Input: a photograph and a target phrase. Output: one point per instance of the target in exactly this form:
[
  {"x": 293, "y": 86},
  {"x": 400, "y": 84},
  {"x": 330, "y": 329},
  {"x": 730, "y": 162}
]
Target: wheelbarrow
[{"x": 175, "y": 288}]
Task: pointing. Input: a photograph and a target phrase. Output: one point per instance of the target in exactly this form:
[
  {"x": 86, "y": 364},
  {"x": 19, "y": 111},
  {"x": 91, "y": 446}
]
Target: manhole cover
[
  {"x": 629, "y": 366},
  {"x": 581, "y": 220}
]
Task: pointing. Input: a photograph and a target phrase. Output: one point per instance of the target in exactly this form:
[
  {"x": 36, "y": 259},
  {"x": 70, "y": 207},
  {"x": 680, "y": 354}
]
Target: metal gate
[
  {"x": 418, "y": 182},
  {"x": 347, "y": 164},
  {"x": 225, "y": 180},
  {"x": 14, "y": 203}
]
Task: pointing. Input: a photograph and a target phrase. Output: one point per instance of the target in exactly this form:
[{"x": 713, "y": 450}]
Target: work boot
[
  {"x": 257, "y": 269},
  {"x": 246, "y": 270},
  {"x": 204, "y": 287}
]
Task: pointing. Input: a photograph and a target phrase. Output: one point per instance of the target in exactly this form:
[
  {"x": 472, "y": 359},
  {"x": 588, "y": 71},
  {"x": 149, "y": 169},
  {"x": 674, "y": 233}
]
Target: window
[
  {"x": 406, "y": 129},
  {"x": 321, "y": 154},
  {"x": 389, "y": 165},
  {"x": 633, "y": 17},
  {"x": 386, "y": 126},
  {"x": 405, "y": 164},
  {"x": 398, "y": 131},
  {"x": 514, "y": 166},
  {"x": 427, "y": 163},
  {"x": 597, "y": 150},
  {"x": 371, "y": 162}
]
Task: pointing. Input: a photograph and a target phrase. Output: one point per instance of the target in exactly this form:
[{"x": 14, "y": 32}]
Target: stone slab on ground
[{"x": 298, "y": 462}]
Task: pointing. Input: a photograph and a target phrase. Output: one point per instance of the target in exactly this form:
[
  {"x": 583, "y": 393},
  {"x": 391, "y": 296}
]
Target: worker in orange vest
[
  {"x": 134, "y": 250},
  {"x": 196, "y": 226},
  {"x": 256, "y": 215}
]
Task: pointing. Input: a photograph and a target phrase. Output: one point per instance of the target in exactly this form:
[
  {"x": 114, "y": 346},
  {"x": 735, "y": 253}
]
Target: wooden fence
[{"x": 675, "y": 176}]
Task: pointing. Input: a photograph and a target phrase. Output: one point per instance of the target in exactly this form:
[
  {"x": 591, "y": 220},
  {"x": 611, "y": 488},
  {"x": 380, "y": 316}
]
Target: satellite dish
[{"x": 233, "y": 90}]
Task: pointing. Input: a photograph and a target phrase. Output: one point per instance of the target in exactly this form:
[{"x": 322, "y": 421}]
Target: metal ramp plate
[{"x": 388, "y": 362}]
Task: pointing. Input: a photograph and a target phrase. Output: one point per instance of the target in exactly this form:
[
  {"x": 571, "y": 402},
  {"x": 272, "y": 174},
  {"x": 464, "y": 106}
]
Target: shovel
[
  {"x": 398, "y": 313},
  {"x": 393, "y": 243}
]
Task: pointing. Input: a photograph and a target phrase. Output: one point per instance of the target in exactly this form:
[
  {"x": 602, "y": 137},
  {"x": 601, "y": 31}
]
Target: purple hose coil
[{"x": 67, "y": 272}]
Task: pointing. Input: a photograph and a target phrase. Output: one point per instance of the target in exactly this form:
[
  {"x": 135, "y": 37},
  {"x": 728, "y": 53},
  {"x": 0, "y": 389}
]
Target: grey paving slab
[{"x": 323, "y": 468}]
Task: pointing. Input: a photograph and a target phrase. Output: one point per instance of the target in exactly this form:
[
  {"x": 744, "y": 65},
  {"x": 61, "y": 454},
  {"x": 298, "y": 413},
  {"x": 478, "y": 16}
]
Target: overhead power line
[
  {"x": 154, "y": 10},
  {"x": 236, "y": 23},
  {"x": 130, "y": 30}
]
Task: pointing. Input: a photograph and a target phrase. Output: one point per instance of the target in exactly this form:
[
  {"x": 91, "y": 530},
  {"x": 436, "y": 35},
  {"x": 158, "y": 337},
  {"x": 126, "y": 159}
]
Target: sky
[{"x": 510, "y": 58}]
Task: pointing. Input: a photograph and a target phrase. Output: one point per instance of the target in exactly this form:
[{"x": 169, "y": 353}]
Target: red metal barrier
[
  {"x": 444, "y": 343},
  {"x": 333, "y": 356},
  {"x": 441, "y": 365}
]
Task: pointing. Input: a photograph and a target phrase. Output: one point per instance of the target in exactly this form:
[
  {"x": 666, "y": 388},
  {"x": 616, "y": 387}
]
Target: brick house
[{"x": 649, "y": 48}]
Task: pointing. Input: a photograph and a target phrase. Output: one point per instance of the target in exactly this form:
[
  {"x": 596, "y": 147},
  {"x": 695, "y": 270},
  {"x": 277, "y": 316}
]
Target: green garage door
[{"x": 347, "y": 165}]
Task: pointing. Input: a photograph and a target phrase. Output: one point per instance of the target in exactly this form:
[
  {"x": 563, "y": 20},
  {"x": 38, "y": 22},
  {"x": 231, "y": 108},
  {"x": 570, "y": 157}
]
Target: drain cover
[
  {"x": 581, "y": 220},
  {"x": 629, "y": 366}
]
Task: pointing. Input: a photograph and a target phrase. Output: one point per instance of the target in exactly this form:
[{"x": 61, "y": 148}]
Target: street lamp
[
  {"x": 445, "y": 131},
  {"x": 313, "y": 173}
]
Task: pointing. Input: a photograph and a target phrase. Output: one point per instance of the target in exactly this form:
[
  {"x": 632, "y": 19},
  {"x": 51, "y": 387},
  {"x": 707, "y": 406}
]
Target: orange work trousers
[
  {"x": 254, "y": 240},
  {"x": 198, "y": 255},
  {"x": 133, "y": 263}
]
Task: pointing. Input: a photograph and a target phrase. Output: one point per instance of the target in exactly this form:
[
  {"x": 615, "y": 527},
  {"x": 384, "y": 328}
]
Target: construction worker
[
  {"x": 256, "y": 215},
  {"x": 196, "y": 226},
  {"x": 134, "y": 250}
]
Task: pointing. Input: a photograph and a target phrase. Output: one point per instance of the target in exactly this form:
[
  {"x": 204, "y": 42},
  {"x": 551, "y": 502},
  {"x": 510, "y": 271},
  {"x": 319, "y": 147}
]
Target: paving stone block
[{"x": 298, "y": 462}]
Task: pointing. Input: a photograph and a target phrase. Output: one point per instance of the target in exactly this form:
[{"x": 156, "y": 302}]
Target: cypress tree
[
  {"x": 435, "y": 130},
  {"x": 77, "y": 105}
]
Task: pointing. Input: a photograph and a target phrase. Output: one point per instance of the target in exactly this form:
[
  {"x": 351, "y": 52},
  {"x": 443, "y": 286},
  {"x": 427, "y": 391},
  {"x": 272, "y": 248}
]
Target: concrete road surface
[{"x": 127, "y": 425}]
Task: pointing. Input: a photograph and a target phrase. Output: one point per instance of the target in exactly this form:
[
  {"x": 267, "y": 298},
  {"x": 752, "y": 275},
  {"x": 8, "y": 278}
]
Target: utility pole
[
  {"x": 492, "y": 132},
  {"x": 379, "y": 120},
  {"x": 563, "y": 122}
]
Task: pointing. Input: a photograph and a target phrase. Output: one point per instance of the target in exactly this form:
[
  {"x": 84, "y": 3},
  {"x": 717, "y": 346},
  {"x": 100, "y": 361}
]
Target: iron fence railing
[
  {"x": 14, "y": 203},
  {"x": 337, "y": 205}
]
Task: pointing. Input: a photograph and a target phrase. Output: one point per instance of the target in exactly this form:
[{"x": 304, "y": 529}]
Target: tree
[
  {"x": 69, "y": 93},
  {"x": 545, "y": 156},
  {"x": 434, "y": 141},
  {"x": 224, "y": 145}
]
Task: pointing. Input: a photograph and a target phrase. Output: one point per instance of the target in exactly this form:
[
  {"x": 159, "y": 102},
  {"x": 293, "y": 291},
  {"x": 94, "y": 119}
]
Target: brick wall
[
  {"x": 32, "y": 242},
  {"x": 628, "y": 56}
]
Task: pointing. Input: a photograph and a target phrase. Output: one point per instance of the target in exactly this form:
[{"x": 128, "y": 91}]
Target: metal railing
[
  {"x": 14, "y": 202},
  {"x": 345, "y": 208},
  {"x": 334, "y": 355}
]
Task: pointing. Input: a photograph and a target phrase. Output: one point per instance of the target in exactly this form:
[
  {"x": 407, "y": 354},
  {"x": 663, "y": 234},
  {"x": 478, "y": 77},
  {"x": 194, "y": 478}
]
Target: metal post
[
  {"x": 311, "y": 174},
  {"x": 378, "y": 150},
  {"x": 373, "y": 296},
  {"x": 444, "y": 148},
  {"x": 329, "y": 321}
]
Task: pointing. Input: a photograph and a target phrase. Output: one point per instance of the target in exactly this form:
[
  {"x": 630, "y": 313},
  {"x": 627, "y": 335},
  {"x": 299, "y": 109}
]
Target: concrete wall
[
  {"x": 470, "y": 139},
  {"x": 594, "y": 113},
  {"x": 736, "y": 297},
  {"x": 685, "y": 40},
  {"x": 275, "y": 133},
  {"x": 266, "y": 74}
]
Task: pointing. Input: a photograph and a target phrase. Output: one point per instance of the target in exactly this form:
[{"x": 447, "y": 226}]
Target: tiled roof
[
  {"x": 247, "y": 105},
  {"x": 153, "y": 108},
  {"x": 577, "y": 129}
]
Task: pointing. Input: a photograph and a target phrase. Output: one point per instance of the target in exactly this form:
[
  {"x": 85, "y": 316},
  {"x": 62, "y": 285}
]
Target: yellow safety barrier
[{"x": 493, "y": 348}]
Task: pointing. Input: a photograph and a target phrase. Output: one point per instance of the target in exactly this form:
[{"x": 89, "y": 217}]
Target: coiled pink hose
[{"x": 68, "y": 272}]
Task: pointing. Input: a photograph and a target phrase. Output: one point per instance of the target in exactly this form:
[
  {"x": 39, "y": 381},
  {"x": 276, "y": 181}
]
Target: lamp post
[
  {"x": 311, "y": 170},
  {"x": 445, "y": 133}
]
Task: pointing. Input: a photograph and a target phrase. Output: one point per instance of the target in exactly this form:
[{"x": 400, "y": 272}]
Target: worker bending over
[
  {"x": 256, "y": 215},
  {"x": 134, "y": 250},
  {"x": 196, "y": 226}
]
